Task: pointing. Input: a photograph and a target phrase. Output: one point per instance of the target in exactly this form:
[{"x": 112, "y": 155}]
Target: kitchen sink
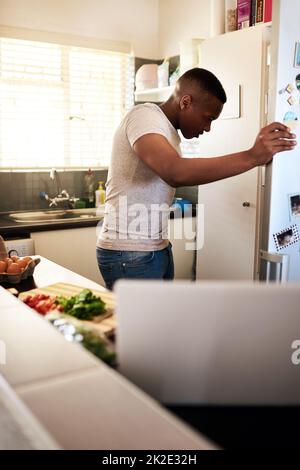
[{"x": 56, "y": 215}]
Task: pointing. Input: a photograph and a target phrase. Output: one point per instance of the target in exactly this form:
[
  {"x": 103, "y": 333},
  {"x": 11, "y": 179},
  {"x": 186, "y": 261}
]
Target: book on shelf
[
  {"x": 267, "y": 11},
  {"x": 259, "y": 11},
  {"x": 263, "y": 11},
  {"x": 243, "y": 13},
  {"x": 253, "y": 12}
]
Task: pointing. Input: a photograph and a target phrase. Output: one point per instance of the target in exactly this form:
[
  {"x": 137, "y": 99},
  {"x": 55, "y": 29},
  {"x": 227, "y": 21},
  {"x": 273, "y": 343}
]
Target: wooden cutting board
[{"x": 107, "y": 326}]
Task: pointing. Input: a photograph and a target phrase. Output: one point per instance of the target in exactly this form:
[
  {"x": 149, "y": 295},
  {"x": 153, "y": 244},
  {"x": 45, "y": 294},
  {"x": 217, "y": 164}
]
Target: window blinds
[{"x": 60, "y": 105}]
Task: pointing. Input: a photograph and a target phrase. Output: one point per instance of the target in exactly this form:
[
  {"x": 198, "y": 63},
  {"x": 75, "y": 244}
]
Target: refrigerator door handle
[{"x": 277, "y": 266}]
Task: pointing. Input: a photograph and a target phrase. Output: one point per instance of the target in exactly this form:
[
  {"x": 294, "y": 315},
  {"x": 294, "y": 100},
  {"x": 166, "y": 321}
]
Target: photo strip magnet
[
  {"x": 297, "y": 55},
  {"x": 294, "y": 205},
  {"x": 286, "y": 237}
]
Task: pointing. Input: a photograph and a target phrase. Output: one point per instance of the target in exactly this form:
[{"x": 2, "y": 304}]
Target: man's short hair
[{"x": 206, "y": 81}]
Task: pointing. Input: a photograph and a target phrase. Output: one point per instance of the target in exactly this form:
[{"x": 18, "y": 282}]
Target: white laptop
[{"x": 210, "y": 343}]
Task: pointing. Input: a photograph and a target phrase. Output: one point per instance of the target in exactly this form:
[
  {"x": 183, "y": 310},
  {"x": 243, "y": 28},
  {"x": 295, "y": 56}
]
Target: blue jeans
[{"x": 115, "y": 265}]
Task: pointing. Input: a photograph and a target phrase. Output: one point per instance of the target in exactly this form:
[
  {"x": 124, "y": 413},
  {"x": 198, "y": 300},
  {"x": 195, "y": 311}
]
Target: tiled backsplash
[
  {"x": 188, "y": 192},
  {"x": 21, "y": 190}
]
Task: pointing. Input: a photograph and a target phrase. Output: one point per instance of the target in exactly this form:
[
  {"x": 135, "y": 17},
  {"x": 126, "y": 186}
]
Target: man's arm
[{"x": 157, "y": 153}]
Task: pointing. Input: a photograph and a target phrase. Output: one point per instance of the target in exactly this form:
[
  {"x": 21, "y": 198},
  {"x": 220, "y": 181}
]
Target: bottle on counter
[
  {"x": 89, "y": 187},
  {"x": 100, "y": 195}
]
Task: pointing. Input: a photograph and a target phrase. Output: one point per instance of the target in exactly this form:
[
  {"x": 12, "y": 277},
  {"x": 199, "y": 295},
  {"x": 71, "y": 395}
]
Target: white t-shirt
[{"x": 137, "y": 199}]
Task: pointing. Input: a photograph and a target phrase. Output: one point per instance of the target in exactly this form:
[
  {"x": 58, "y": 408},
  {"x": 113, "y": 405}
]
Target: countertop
[
  {"x": 80, "y": 401},
  {"x": 47, "y": 272},
  {"x": 10, "y": 227},
  {"x": 22, "y": 430},
  {"x": 83, "y": 404}
]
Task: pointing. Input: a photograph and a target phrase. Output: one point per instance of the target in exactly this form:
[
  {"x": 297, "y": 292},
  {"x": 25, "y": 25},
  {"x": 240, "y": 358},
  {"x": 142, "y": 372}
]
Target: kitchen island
[{"x": 80, "y": 401}]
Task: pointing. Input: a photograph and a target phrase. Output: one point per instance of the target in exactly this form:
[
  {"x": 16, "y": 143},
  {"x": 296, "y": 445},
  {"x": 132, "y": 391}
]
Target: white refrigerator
[
  {"x": 259, "y": 210},
  {"x": 230, "y": 228},
  {"x": 281, "y": 221}
]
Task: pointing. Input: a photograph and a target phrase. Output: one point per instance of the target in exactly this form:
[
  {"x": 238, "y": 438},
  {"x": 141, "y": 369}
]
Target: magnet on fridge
[
  {"x": 297, "y": 55},
  {"x": 287, "y": 237},
  {"x": 291, "y": 120},
  {"x": 291, "y": 100},
  {"x": 290, "y": 88},
  {"x": 298, "y": 82}
]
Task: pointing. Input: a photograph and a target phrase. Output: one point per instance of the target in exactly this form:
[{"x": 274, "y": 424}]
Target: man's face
[{"x": 195, "y": 117}]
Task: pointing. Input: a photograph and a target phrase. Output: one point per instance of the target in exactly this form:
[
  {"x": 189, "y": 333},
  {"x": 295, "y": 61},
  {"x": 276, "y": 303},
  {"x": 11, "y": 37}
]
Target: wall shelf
[{"x": 154, "y": 94}]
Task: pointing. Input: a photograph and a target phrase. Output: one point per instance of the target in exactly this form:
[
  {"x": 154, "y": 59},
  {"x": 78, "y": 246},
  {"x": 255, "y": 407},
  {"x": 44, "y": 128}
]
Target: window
[{"x": 59, "y": 104}]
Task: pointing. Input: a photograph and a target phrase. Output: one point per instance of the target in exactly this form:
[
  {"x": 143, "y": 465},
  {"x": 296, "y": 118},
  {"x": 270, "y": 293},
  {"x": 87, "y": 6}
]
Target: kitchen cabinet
[
  {"x": 182, "y": 233},
  {"x": 75, "y": 248}
]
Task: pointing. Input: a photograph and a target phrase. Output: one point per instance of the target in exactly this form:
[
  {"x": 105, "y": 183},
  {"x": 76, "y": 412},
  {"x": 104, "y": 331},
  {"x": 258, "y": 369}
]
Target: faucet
[
  {"x": 62, "y": 194},
  {"x": 55, "y": 177}
]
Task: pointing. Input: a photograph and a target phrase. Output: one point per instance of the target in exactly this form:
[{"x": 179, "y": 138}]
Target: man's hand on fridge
[{"x": 272, "y": 139}]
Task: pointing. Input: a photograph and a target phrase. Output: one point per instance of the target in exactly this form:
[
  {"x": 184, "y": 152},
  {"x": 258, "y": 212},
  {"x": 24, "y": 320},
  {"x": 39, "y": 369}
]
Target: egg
[
  {"x": 13, "y": 268},
  {"x": 28, "y": 259},
  {"x": 22, "y": 262},
  {"x": 8, "y": 262},
  {"x": 2, "y": 266},
  {"x": 14, "y": 258}
]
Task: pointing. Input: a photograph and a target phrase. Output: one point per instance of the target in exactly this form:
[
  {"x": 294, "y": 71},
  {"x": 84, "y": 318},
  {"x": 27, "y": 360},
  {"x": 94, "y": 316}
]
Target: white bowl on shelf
[{"x": 146, "y": 77}]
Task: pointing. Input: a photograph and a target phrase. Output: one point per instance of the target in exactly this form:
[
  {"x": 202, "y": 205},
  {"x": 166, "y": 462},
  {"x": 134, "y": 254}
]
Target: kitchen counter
[
  {"x": 47, "y": 272},
  {"x": 79, "y": 401},
  {"x": 83, "y": 404},
  {"x": 9, "y": 227},
  {"x": 22, "y": 430}
]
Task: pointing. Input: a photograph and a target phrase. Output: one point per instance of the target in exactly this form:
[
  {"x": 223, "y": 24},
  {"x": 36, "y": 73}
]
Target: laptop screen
[{"x": 210, "y": 343}]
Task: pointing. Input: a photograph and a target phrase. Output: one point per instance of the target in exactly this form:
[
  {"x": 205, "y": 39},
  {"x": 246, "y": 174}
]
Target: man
[{"x": 146, "y": 166}]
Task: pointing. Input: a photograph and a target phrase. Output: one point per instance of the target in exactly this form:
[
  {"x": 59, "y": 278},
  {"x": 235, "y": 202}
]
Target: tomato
[{"x": 41, "y": 303}]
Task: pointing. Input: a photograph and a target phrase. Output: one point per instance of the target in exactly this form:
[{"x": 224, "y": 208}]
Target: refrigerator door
[
  {"x": 231, "y": 206},
  {"x": 281, "y": 223}
]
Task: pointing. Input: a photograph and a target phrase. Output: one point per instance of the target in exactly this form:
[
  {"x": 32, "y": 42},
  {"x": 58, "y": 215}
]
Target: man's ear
[{"x": 185, "y": 102}]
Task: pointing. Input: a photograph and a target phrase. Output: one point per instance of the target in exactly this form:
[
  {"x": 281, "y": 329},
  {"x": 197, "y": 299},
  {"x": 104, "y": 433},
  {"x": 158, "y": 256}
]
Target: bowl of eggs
[{"x": 14, "y": 269}]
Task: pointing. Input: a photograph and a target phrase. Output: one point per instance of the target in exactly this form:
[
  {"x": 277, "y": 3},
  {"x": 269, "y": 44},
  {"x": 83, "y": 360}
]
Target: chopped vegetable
[
  {"x": 72, "y": 331},
  {"x": 41, "y": 303},
  {"x": 84, "y": 305},
  {"x": 97, "y": 346}
]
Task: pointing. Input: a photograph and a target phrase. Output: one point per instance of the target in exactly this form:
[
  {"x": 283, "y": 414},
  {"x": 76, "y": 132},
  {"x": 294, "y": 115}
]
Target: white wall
[
  {"x": 179, "y": 20},
  {"x": 135, "y": 21},
  {"x": 153, "y": 27}
]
